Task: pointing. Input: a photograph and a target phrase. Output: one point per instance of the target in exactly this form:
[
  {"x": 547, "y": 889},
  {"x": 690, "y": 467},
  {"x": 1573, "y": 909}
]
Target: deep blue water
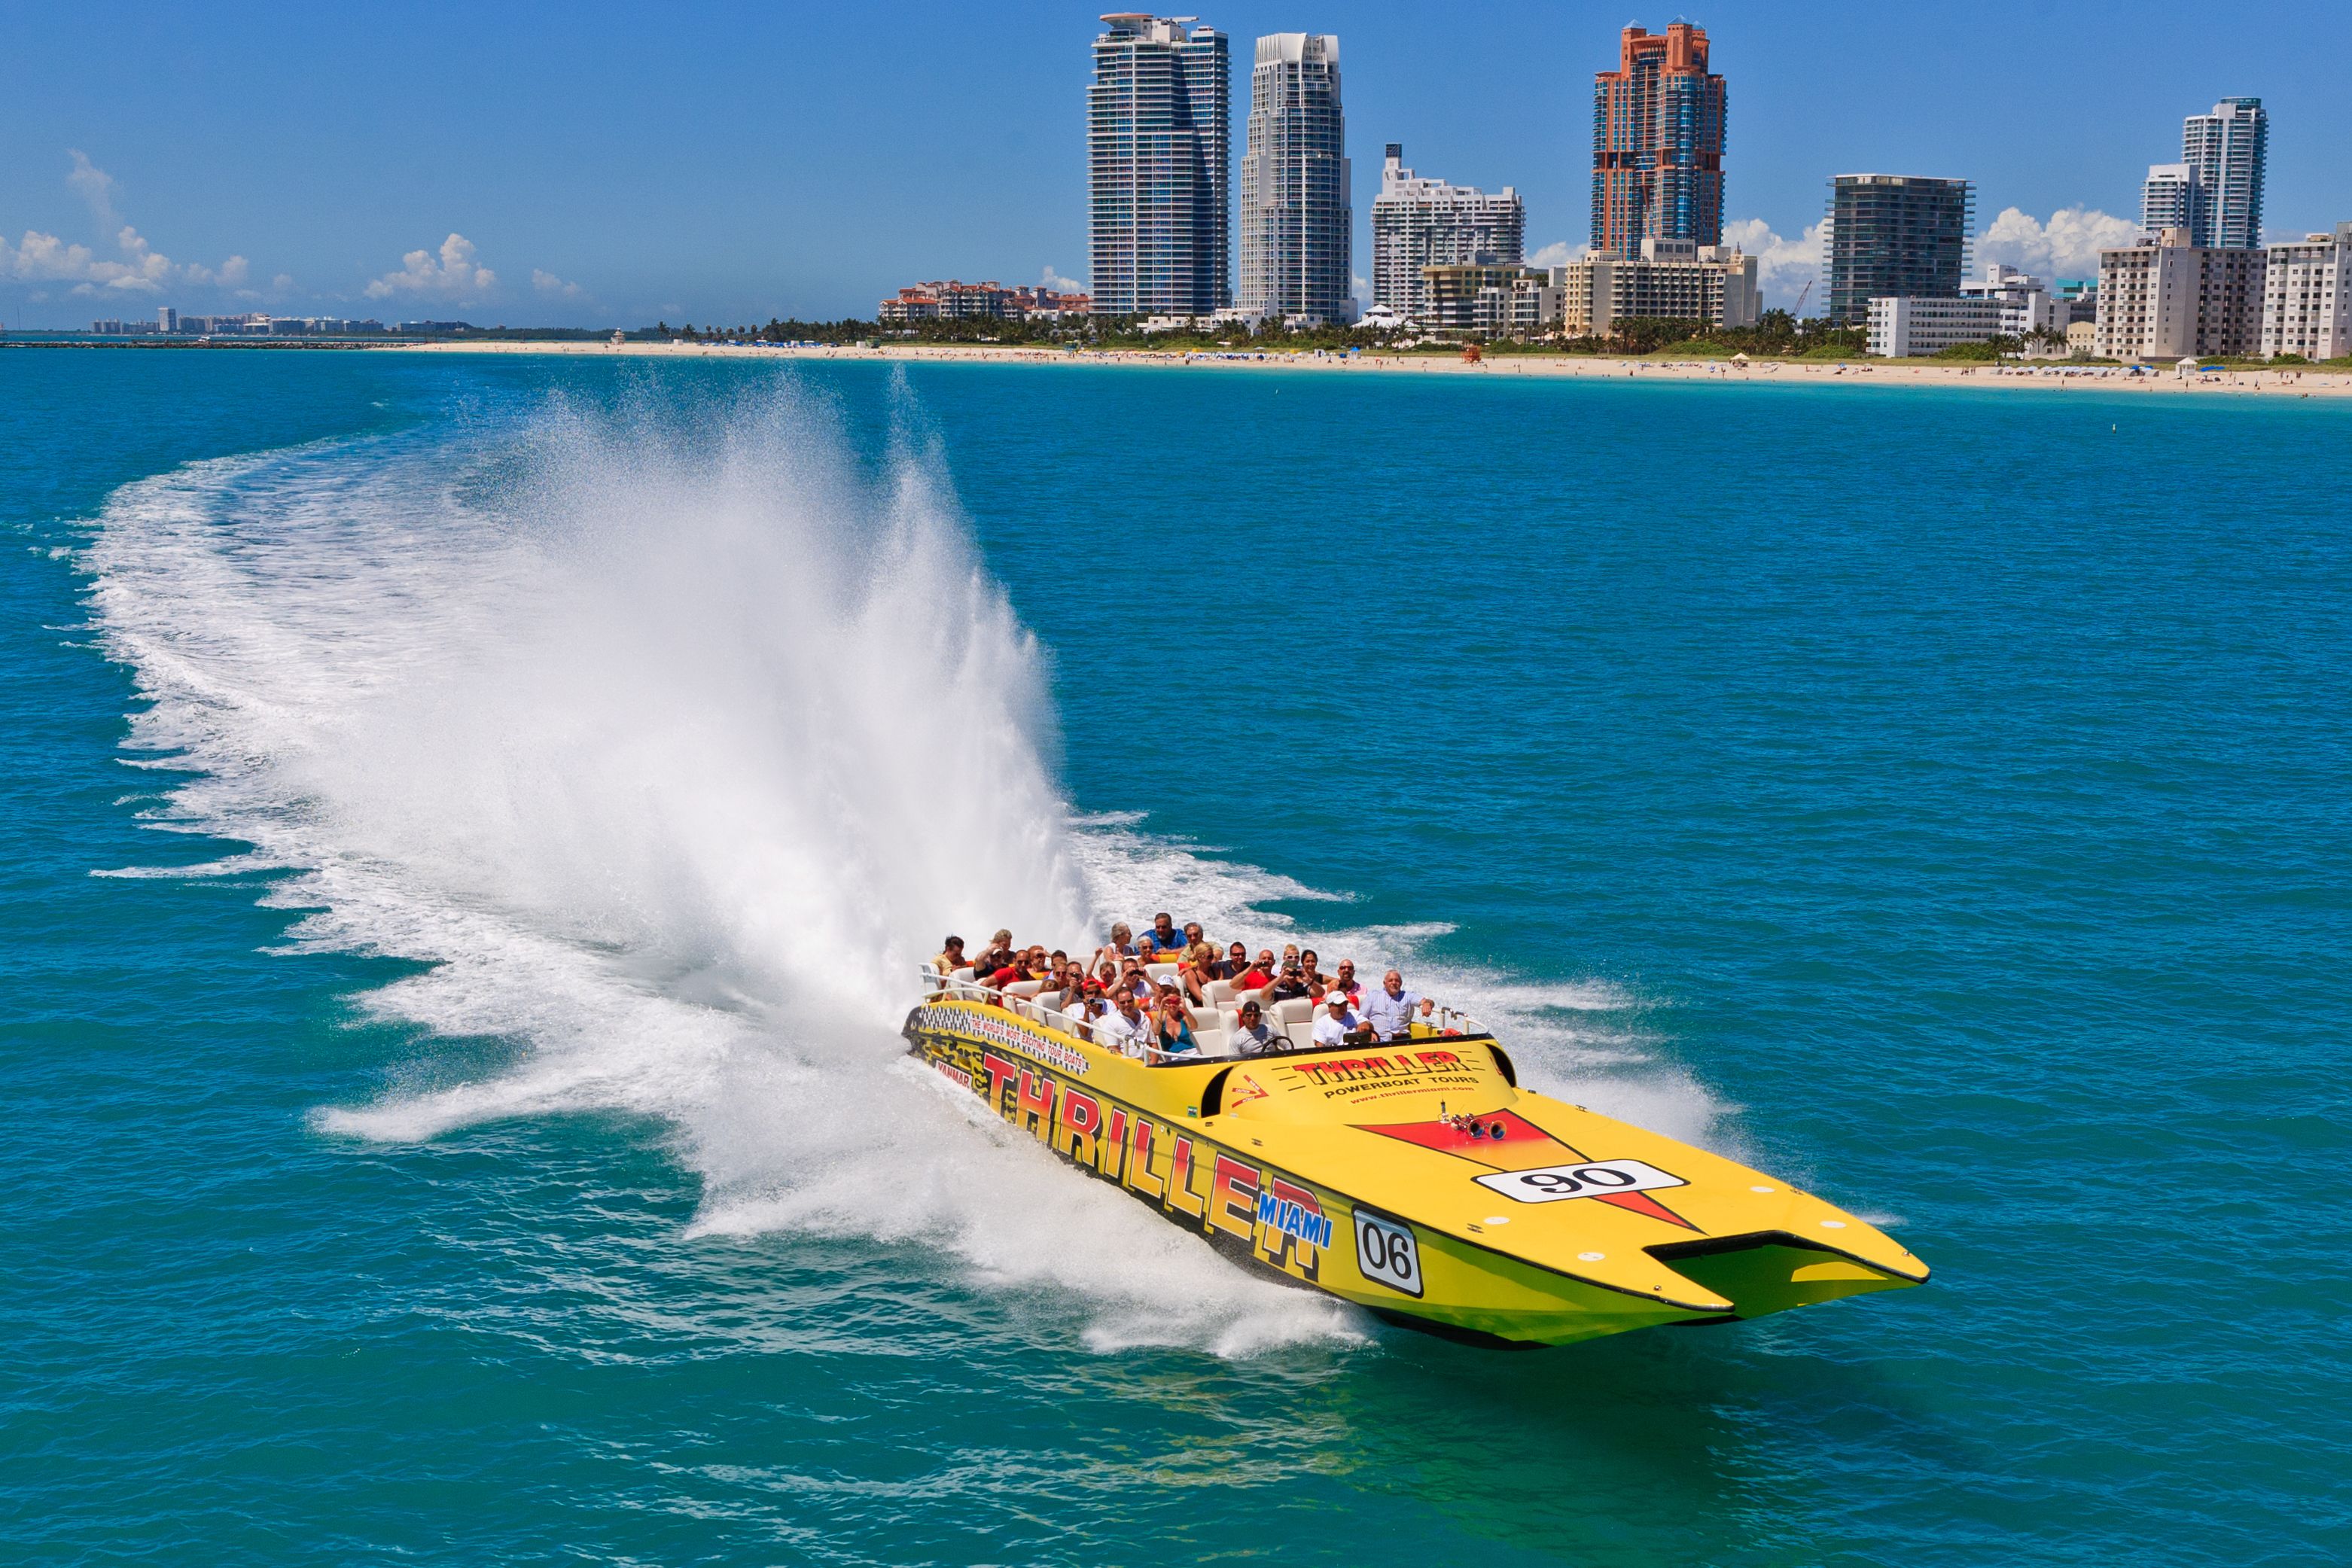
[{"x": 1935, "y": 797}]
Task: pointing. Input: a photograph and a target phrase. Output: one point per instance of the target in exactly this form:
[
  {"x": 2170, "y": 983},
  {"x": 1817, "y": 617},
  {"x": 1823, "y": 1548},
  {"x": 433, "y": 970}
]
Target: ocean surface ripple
[{"x": 477, "y": 822}]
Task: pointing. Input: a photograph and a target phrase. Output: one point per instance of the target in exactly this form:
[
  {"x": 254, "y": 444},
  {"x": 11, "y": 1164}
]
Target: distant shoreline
[{"x": 2286, "y": 382}]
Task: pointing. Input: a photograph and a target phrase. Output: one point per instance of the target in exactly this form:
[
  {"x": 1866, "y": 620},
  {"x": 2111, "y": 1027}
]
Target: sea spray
[{"x": 671, "y": 739}]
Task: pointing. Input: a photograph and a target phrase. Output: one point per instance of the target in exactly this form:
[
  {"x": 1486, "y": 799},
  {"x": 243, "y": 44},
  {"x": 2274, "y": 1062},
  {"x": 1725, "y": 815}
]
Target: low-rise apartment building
[
  {"x": 1670, "y": 280},
  {"x": 1480, "y": 296},
  {"x": 2307, "y": 297},
  {"x": 952, "y": 301},
  {"x": 1904, "y": 327},
  {"x": 2169, "y": 299}
]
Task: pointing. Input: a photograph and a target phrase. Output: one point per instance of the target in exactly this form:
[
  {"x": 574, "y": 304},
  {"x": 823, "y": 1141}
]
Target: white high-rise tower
[
  {"x": 1158, "y": 144},
  {"x": 1419, "y": 222},
  {"x": 1297, "y": 224},
  {"x": 2224, "y": 151}
]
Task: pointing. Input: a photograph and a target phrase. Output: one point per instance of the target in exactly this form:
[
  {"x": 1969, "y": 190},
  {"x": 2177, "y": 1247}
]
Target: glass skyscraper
[
  {"x": 1297, "y": 223},
  {"x": 1657, "y": 143},
  {"x": 2224, "y": 151},
  {"x": 1159, "y": 142},
  {"x": 1904, "y": 235}
]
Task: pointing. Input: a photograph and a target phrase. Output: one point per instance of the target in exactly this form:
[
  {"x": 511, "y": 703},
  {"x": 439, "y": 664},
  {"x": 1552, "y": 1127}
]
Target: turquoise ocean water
[{"x": 466, "y": 821}]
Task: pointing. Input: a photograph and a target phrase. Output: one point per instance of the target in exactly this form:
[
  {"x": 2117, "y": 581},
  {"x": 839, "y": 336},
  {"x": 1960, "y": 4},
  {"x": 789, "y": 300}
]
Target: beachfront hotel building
[
  {"x": 1490, "y": 298},
  {"x": 1420, "y": 223},
  {"x": 1159, "y": 142},
  {"x": 951, "y": 299},
  {"x": 1657, "y": 142},
  {"x": 1298, "y": 227},
  {"x": 2307, "y": 297},
  {"x": 2003, "y": 303},
  {"x": 1667, "y": 280},
  {"x": 2224, "y": 151},
  {"x": 2169, "y": 298},
  {"x": 1895, "y": 236},
  {"x": 1904, "y": 327}
]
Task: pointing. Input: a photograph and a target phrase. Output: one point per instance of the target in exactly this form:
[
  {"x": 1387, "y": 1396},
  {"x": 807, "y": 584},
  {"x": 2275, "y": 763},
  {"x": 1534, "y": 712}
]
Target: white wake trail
[{"x": 671, "y": 739}]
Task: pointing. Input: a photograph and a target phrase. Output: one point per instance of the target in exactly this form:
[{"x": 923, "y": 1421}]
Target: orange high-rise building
[{"x": 1657, "y": 143}]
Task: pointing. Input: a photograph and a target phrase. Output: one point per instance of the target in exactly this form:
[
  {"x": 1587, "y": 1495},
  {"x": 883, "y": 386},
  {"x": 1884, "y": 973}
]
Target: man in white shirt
[
  {"x": 1125, "y": 1029},
  {"x": 1252, "y": 1037},
  {"x": 1391, "y": 1008},
  {"x": 1339, "y": 1026}
]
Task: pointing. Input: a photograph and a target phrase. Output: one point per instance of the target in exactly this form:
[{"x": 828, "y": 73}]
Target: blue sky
[{"x": 606, "y": 164}]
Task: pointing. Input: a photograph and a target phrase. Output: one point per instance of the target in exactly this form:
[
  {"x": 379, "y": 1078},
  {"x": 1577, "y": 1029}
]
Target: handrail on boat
[{"x": 938, "y": 986}]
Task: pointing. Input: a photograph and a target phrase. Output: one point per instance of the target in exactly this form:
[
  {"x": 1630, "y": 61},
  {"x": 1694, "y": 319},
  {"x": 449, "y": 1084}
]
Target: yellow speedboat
[{"x": 1415, "y": 1178}]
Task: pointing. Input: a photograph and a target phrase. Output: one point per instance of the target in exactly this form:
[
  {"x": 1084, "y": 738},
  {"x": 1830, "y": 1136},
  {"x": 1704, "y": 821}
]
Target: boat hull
[{"x": 1142, "y": 1129}]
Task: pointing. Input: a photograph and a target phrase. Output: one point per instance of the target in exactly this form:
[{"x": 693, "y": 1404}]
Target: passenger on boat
[
  {"x": 1258, "y": 976},
  {"x": 1346, "y": 980},
  {"x": 1125, "y": 1029},
  {"x": 1424, "y": 1025},
  {"x": 1389, "y": 1010},
  {"x": 1163, "y": 943},
  {"x": 1288, "y": 984},
  {"x": 1200, "y": 967},
  {"x": 1028, "y": 964},
  {"x": 998, "y": 954},
  {"x": 1306, "y": 968},
  {"x": 1339, "y": 1025},
  {"x": 1176, "y": 1038},
  {"x": 1252, "y": 1035},
  {"x": 1082, "y": 1008},
  {"x": 1120, "y": 946},
  {"x": 951, "y": 956}
]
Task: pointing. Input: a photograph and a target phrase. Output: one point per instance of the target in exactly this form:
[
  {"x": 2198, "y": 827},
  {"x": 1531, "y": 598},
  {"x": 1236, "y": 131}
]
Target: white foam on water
[{"x": 670, "y": 739}]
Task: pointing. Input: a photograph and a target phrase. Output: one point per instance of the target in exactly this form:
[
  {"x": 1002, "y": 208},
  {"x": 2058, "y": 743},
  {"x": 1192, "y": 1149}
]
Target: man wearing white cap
[{"x": 1338, "y": 1025}]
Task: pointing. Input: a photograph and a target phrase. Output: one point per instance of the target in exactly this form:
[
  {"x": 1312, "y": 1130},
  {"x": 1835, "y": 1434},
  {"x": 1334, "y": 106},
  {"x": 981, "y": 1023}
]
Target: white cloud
[
  {"x": 548, "y": 283},
  {"x": 453, "y": 276},
  {"x": 96, "y": 187},
  {"x": 1359, "y": 288},
  {"x": 1783, "y": 267},
  {"x": 141, "y": 269},
  {"x": 1560, "y": 253},
  {"x": 43, "y": 257},
  {"x": 2068, "y": 245},
  {"x": 1056, "y": 282}
]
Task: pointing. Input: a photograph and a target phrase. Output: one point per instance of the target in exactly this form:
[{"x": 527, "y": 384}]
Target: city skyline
[{"x": 614, "y": 182}]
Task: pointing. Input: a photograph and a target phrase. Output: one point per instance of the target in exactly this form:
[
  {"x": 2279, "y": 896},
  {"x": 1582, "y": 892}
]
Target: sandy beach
[{"x": 2286, "y": 382}]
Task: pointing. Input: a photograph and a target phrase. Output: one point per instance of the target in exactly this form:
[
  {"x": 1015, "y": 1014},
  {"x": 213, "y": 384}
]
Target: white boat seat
[
  {"x": 963, "y": 976},
  {"x": 1258, "y": 996},
  {"x": 1214, "y": 1041},
  {"x": 1161, "y": 971},
  {"x": 1220, "y": 991},
  {"x": 1297, "y": 1009},
  {"x": 1048, "y": 1002},
  {"x": 1024, "y": 988}
]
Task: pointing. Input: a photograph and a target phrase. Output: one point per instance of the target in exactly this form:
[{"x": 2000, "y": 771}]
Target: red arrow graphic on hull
[{"x": 1522, "y": 1146}]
